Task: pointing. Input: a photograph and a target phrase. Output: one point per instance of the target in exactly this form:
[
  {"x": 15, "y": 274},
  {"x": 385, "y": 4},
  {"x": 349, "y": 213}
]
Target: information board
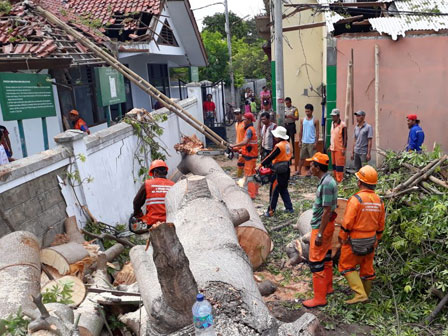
[
  {"x": 110, "y": 86},
  {"x": 26, "y": 96}
]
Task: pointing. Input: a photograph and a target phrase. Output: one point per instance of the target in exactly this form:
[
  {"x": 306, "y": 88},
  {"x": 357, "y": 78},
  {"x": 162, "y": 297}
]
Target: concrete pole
[
  {"x": 279, "y": 74},
  {"x": 229, "y": 46}
]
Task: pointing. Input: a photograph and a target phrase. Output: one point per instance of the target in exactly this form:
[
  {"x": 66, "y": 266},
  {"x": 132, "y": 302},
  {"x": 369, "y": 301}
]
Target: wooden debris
[
  {"x": 126, "y": 276},
  {"x": 62, "y": 256},
  {"x": 189, "y": 145}
]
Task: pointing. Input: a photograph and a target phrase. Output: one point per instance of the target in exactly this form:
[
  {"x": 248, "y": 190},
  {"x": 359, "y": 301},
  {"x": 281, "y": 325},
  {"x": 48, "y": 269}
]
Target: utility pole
[
  {"x": 229, "y": 46},
  {"x": 279, "y": 74}
]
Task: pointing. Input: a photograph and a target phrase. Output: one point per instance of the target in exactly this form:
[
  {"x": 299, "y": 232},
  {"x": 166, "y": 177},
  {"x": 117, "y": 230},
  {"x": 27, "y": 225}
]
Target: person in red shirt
[
  {"x": 152, "y": 193},
  {"x": 209, "y": 108},
  {"x": 79, "y": 124}
]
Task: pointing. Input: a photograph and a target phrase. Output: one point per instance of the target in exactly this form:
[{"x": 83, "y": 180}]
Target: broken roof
[
  {"x": 29, "y": 41},
  {"x": 393, "y": 18}
]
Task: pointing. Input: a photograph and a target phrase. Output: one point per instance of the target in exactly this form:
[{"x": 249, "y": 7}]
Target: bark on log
[
  {"x": 221, "y": 268},
  {"x": 133, "y": 321},
  {"x": 91, "y": 321},
  {"x": 114, "y": 251},
  {"x": 59, "y": 315},
  {"x": 62, "y": 256},
  {"x": 20, "y": 271},
  {"x": 71, "y": 228},
  {"x": 303, "y": 222},
  {"x": 252, "y": 235}
]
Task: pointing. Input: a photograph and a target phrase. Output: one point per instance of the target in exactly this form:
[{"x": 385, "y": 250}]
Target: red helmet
[{"x": 157, "y": 164}]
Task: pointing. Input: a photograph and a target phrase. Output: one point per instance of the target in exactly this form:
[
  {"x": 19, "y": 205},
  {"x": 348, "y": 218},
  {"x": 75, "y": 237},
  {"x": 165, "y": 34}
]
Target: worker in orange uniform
[
  {"x": 279, "y": 157},
  {"x": 338, "y": 144},
  {"x": 152, "y": 193},
  {"x": 322, "y": 224},
  {"x": 249, "y": 151},
  {"x": 362, "y": 228},
  {"x": 79, "y": 124},
  {"x": 240, "y": 131}
]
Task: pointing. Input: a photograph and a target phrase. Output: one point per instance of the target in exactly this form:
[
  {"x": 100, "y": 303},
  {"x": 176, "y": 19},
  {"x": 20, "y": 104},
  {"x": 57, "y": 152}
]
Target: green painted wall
[{"x": 331, "y": 102}]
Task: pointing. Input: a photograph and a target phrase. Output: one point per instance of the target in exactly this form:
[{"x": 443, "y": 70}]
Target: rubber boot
[
  {"x": 252, "y": 188},
  {"x": 356, "y": 285},
  {"x": 367, "y": 286},
  {"x": 320, "y": 291},
  {"x": 239, "y": 172},
  {"x": 328, "y": 271}
]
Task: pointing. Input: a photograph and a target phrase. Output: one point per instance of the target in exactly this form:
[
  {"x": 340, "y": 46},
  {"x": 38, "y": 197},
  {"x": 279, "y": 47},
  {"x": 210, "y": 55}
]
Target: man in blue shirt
[{"x": 416, "y": 134}]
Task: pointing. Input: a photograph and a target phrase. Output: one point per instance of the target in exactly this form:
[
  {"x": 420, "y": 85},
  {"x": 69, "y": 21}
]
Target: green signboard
[
  {"x": 194, "y": 74},
  {"x": 26, "y": 96},
  {"x": 110, "y": 86}
]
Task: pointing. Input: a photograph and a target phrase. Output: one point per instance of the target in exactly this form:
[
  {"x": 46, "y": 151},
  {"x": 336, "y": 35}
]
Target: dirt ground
[{"x": 293, "y": 282}]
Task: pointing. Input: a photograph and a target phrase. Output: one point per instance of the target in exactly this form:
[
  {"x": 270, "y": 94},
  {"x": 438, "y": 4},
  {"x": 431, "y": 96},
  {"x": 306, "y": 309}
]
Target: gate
[{"x": 218, "y": 97}]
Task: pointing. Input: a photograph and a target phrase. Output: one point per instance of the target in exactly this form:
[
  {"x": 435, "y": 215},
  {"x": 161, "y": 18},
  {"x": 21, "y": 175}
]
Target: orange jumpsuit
[
  {"x": 250, "y": 155},
  {"x": 364, "y": 217},
  {"x": 240, "y": 132},
  {"x": 337, "y": 150},
  {"x": 156, "y": 190}
]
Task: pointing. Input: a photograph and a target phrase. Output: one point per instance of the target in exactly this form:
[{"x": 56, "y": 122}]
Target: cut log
[
  {"x": 219, "y": 265},
  {"x": 48, "y": 274},
  {"x": 133, "y": 321},
  {"x": 20, "y": 271},
  {"x": 77, "y": 286},
  {"x": 126, "y": 276},
  {"x": 62, "y": 256},
  {"x": 303, "y": 222},
  {"x": 71, "y": 228},
  {"x": 91, "y": 321},
  {"x": 252, "y": 235},
  {"x": 114, "y": 251}
]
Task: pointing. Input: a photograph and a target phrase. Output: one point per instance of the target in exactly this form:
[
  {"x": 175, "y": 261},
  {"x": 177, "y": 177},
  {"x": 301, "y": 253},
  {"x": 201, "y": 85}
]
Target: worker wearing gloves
[
  {"x": 152, "y": 193},
  {"x": 322, "y": 224},
  {"x": 240, "y": 131},
  {"x": 279, "y": 157},
  {"x": 361, "y": 230},
  {"x": 249, "y": 151}
]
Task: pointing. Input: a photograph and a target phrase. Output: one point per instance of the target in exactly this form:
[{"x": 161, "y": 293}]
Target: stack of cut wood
[{"x": 29, "y": 274}]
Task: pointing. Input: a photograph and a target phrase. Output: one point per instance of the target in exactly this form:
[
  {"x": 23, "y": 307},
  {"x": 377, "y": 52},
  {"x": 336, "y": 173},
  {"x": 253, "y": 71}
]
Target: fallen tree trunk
[
  {"x": 62, "y": 256},
  {"x": 220, "y": 267},
  {"x": 20, "y": 270},
  {"x": 252, "y": 235}
]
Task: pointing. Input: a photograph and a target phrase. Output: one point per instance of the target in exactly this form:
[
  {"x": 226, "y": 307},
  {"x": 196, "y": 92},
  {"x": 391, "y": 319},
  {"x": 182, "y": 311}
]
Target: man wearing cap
[
  {"x": 416, "y": 135},
  {"x": 322, "y": 224},
  {"x": 279, "y": 158},
  {"x": 362, "y": 145},
  {"x": 362, "y": 228},
  {"x": 338, "y": 144},
  {"x": 267, "y": 139},
  {"x": 240, "y": 131},
  {"x": 79, "y": 124},
  {"x": 249, "y": 151}
]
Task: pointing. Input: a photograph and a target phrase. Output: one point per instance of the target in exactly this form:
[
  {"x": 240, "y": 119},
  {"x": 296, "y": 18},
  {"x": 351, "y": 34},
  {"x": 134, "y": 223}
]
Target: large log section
[
  {"x": 19, "y": 272},
  {"x": 252, "y": 235},
  {"x": 220, "y": 268}
]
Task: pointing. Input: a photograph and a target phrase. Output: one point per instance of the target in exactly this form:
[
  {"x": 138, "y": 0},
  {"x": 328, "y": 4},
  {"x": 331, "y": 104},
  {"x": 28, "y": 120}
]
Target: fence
[{"x": 35, "y": 193}]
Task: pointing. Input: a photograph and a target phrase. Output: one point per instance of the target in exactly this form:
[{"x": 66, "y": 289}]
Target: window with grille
[{"x": 166, "y": 36}]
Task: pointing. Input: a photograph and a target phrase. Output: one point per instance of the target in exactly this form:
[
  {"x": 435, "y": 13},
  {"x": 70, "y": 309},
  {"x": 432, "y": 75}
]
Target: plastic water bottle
[{"x": 202, "y": 317}]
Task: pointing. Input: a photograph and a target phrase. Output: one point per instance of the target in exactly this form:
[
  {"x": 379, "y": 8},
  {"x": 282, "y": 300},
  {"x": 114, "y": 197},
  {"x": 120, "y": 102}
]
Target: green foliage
[
  {"x": 218, "y": 57},
  {"x": 148, "y": 132},
  {"x": 412, "y": 257},
  {"x": 14, "y": 325},
  {"x": 5, "y": 7},
  {"x": 248, "y": 59},
  {"x": 240, "y": 29},
  {"x": 59, "y": 294}
]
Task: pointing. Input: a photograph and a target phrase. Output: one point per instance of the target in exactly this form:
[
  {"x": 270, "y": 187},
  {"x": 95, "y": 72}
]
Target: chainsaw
[
  {"x": 215, "y": 152},
  {"x": 137, "y": 226},
  {"x": 264, "y": 175}
]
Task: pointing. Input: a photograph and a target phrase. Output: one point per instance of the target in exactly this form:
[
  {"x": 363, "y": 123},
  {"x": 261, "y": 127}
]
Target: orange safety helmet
[
  {"x": 368, "y": 175},
  {"x": 157, "y": 164}
]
